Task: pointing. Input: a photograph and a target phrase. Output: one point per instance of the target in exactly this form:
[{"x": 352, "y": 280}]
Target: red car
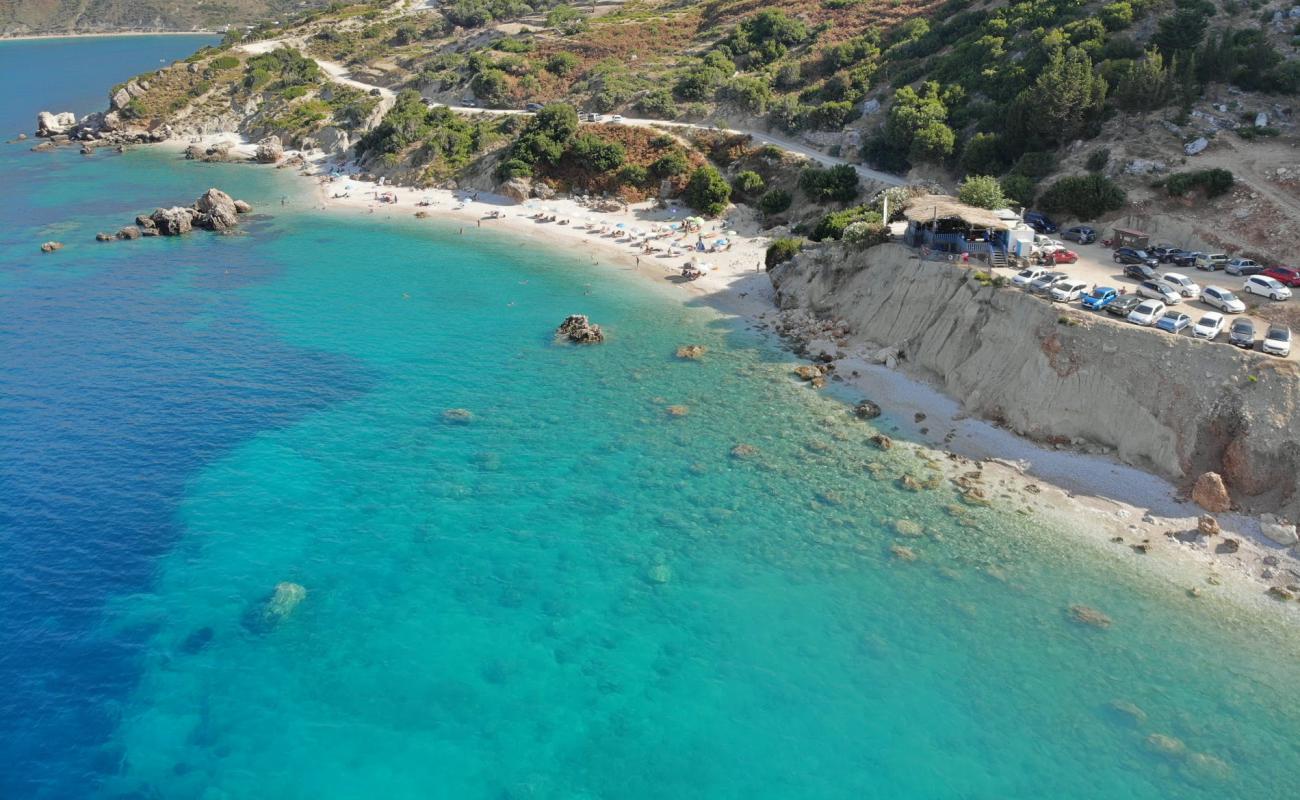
[
  {"x": 1069, "y": 257},
  {"x": 1287, "y": 276}
]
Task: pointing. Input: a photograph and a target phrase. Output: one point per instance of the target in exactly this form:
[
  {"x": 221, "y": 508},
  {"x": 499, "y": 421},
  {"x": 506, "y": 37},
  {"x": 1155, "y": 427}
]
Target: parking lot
[{"x": 1096, "y": 267}]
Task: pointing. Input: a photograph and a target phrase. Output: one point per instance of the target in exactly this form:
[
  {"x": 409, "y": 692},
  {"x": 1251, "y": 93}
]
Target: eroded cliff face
[{"x": 1173, "y": 405}]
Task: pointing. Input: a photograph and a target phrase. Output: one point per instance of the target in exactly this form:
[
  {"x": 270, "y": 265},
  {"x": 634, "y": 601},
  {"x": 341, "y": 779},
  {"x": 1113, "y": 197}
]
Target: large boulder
[
  {"x": 517, "y": 189},
  {"x": 51, "y": 124},
  {"x": 242, "y": 207},
  {"x": 277, "y": 608},
  {"x": 217, "y": 210},
  {"x": 580, "y": 330},
  {"x": 1278, "y": 530},
  {"x": 1211, "y": 494},
  {"x": 173, "y": 221},
  {"x": 120, "y": 99},
  {"x": 269, "y": 150}
]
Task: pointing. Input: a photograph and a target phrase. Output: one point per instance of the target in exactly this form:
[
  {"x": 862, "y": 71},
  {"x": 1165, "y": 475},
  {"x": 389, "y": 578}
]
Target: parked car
[
  {"x": 1043, "y": 284},
  {"x": 533, "y": 107},
  {"x": 1159, "y": 290},
  {"x": 1173, "y": 321},
  {"x": 1123, "y": 305},
  {"x": 1182, "y": 284},
  {"x": 1063, "y": 256},
  {"x": 1099, "y": 298},
  {"x": 1027, "y": 276},
  {"x": 1222, "y": 299},
  {"x": 616, "y": 119},
  {"x": 1209, "y": 326},
  {"x": 1242, "y": 334},
  {"x": 1243, "y": 266},
  {"x": 1164, "y": 252},
  {"x": 1067, "y": 291},
  {"x": 1040, "y": 222},
  {"x": 1287, "y": 276},
  {"x": 1128, "y": 255},
  {"x": 1080, "y": 233},
  {"x": 1147, "y": 312},
  {"x": 1277, "y": 341},
  {"x": 1265, "y": 286},
  {"x": 1184, "y": 258},
  {"x": 1211, "y": 261},
  {"x": 1141, "y": 272}
]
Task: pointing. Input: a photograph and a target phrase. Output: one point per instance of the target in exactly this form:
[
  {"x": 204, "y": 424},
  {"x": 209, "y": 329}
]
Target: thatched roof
[{"x": 928, "y": 207}]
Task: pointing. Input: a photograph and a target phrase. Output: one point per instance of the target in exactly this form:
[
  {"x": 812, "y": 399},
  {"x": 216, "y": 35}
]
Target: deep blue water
[{"x": 574, "y": 594}]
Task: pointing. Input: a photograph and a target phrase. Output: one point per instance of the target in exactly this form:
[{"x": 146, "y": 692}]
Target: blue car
[
  {"x": 1099, "y": 298},
  {"x": 1040, "y": 222},
  {"x": 1173, "y": 321}
]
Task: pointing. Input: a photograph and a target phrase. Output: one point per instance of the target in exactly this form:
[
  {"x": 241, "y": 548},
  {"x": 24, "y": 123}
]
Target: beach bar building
[{"x": 945, "y": 225}]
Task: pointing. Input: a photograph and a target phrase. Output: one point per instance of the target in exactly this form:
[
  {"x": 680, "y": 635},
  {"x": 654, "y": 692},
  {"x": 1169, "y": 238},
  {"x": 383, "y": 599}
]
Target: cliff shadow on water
[{"x": 1169, "y": 404}]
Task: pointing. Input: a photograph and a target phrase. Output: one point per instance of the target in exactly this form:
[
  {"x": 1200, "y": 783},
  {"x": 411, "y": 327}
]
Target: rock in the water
[
  {"x": 50, "y": 124},
  {"x": 216, "y": 210},
  {"x": 580, "y": 330},
  {"x": 1278, "y": 530},
  {"x": 458, "y": 415},
  {"x": 1205, "y": 765},
  {"x": 277, "y": 608},
  {"x": 906, "y": 527},
  {"x": 909, "y": 483},
  {"x": 50, "y": 247},
  {"x": 1281, "y": 593},
  {"x": 1166, "y": 745},
  {"x": 882, "y": 442},
  {"x": 902, "y": 552},
  {"x": 1089, "y": 616},
  {"x": 1207, "y": 525},
  {"x": 744, "y": 451},
  {"x": 129, "y": 232},
  {"x": 243, "y": 207},
  {"x": 173, "y": 221},
  {"x": 1211, "y": 494},
  {"x": 678, "y": 411},
  {"x": 691, "y": 352},
  {"x": 867, "y": 410},
  {"x": 103, "y": 237},
  {"x": 1229, "y": 546},
  {"x": 659, "y": 573},
  {"x": 807, "y": 372},
  {"x": 269, "y": 150},
  {"x": 1129, "y": 711}
]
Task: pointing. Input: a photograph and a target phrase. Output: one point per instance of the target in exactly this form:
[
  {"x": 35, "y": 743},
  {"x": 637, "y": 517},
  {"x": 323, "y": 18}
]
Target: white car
[
  {"x": 1183, "y": 284},
  {"x": 1067, "y": 291},
  {"x": 1147, "y": 312},
  {"x": 1208, "y": 327},
  {"x": 1158, "y": 290},
  {"x": 1277, "y": 341},
  {"x": 617, "y": 118},
  {"x": 1266, "y": 287},
  {"x": 1222, "y": 299},
  {"x": 1027, "y": 276}
]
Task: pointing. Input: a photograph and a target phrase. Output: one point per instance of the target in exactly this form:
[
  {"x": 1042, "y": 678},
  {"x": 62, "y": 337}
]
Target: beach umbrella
[{"x": 621, "y": 225}]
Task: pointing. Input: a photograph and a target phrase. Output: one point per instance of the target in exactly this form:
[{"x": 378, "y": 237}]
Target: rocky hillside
[
  {"x": 32, "y": 17},
  {"x": 1173, "y": 405}
]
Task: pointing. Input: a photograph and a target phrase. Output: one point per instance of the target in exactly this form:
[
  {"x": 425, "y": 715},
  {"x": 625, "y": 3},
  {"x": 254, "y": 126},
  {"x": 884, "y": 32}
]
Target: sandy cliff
[{"x": 1173, "y": 405}]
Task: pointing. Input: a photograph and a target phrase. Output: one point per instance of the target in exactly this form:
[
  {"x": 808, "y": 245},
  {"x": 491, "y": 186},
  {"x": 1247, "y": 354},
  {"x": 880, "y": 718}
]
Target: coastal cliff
[{"x": 1170, "y": 404}]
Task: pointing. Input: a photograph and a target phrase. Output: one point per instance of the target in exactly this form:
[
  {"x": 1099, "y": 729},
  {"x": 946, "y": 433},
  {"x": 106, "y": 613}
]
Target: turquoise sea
[{"x": 571, "y": 594}]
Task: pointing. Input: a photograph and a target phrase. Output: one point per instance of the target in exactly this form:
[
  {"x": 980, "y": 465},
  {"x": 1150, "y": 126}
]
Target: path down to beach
[{"x": 340, "y": 74}]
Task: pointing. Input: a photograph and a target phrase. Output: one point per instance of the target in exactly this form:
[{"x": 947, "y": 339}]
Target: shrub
[
  {"x": 839, "y": 183},
  {"x": 669, "y": 164},
  {"x": 491, "y": 86},
  {"x": 1214, "y": 182},
  {"x": 1098, "y": 159},
  {"x": 566, "y": 19},
  {"x": 1019, "y": 188},
  {"x": 750, "y": 94},
  {"x": 748, "y": 183},
  {"x": 981, "y": 191},
  {"x": 781, "y": 251},
  {"x": 514, "y": 168},
  {"x": 833, "y": 225},
  {"x": 983, "y": 155},
  {"x": 775, "y": 201},
  {"x": 561, "y": 64},
  {"x": 225, "y": 62},
  {"x": 864, "y": 234},
  {"x": 633, "y": 175},
  {"x": 1083, "y": 196},
  {"x": 598, "y": 154},
  {"x": 708, "y": 192},
  {"x": 658, "y": 103}
]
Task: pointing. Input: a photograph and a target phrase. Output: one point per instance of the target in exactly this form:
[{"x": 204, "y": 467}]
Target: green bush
[
  {"x": 865, "y": 234},
  {"x": 596, "y": 153},
  {"x": 708, "y": 192},
  {"x": 561, "y": 64},
  {"x": 748, "y": 183},
  {"x": 832, "y": 225},
  {"x": 981, "y": 191},
  {"x": 839, "y": 183},
  {"x": 514, "y": 168},
  {"x": 225, "y": 62},
  {"x": 775, "y": 201},
  {"x": 1084, "y": 197},
  {"x": 1098, "y": 159},
  {"x": 781, "y": 251},
  {"x": 669, "y": 164},
  {"x": 658, "y": 103},
  {"x": 1019, "y": 188},
  {"x": 633, "y": 175},
  {"x": 1214, "y": 182}
]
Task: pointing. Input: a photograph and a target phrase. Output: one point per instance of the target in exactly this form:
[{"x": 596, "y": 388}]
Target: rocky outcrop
[
  {"x": 173, "y": 221},
  {"x": 1278, "y": 530},
  {"x": 50, "y": 247},
  {"x": 269, "y": 150},
  {"x": 578, "y": 329},
  {"x": 517, "y": 189},
  {"x": 283, "y": 600},
  {"x": 51, "y": 124},
  {"x": 214, "y": 210},
  {"x": 217, "y": 210},
  {"x": 1172, "y": 405}
]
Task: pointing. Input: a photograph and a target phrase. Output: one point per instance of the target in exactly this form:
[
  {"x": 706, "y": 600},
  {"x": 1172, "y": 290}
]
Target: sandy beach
[
  {"x": 107, "y": 35},
  {"x": 1125, "y": 513}
]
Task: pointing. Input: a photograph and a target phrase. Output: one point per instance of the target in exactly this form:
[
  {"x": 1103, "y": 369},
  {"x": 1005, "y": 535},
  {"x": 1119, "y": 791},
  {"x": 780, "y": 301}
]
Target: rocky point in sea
[{"x": 214, "y": 210}]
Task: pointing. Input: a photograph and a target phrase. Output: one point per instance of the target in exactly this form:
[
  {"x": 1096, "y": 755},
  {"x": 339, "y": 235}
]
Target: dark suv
[
  {"x": 1080, "y": 233},
  {"x": 1128, "y": 255},
  {"x": 1040, "y": 222},
  {"x": 1141, "y": 272}
]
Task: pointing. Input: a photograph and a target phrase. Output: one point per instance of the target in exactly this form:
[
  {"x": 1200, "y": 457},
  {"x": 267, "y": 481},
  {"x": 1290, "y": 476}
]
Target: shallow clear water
[{"x": 574, "y": 594}]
